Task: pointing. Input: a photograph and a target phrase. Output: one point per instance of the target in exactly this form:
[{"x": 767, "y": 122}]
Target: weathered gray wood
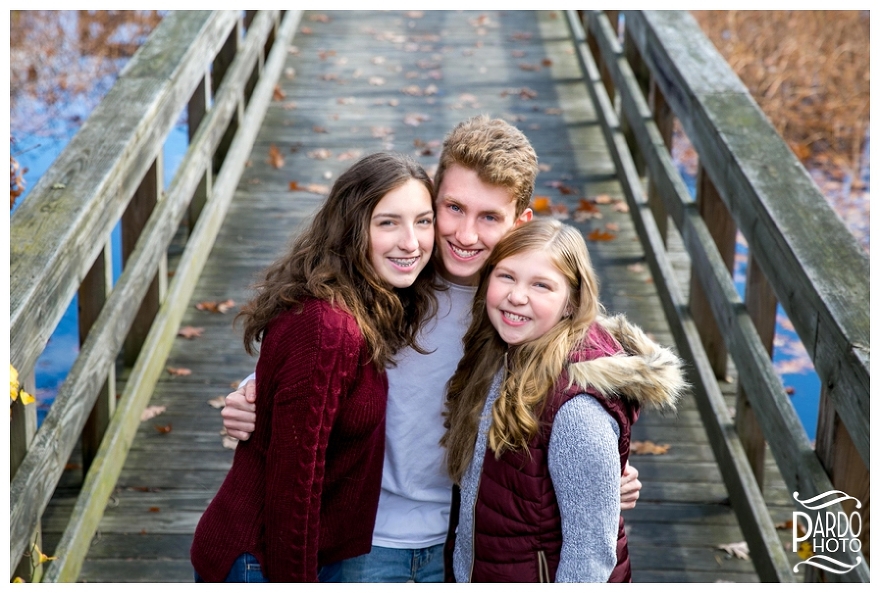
[
  {"x": 83, "y": 195},
  {"x": 132, "y": 224},
  {"x": 798, "y": 462},
  {"x": 665, "y": 120},
  {"x": 822, "y": 285},
  {"x": 761, "y": 304},
  {"x": 723, "y": 230},
  {"x": 758, "y": 528},
  {"x": 97, "y": 284},
  {"x": 64, "y": 422},
  {"x": 110, "y": 457}
]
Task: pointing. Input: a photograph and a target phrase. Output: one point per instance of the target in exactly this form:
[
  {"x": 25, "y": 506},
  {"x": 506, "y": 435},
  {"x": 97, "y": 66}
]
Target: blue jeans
[
  {"x": 246, "y": 569},
  {"x": 390, "y": 565}
]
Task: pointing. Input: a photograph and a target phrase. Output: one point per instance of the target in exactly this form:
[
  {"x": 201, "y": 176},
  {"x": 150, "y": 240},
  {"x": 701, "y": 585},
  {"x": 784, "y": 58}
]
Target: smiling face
[
  {"x": 527, "y": 295},
  {"x": 472, "y": 216},
  {"x": 402, "y": 233}
]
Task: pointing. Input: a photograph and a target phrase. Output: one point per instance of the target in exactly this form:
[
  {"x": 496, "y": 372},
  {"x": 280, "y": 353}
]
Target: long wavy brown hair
[
  {"x": 532, "y": 368},
  {"x": 330, "y": 260}
]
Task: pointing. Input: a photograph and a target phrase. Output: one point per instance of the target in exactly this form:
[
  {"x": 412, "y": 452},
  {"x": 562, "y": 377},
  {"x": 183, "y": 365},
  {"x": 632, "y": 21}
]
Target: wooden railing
[
  {"x": 800, "y": 254},
  {"x": 219, "y": 68}
]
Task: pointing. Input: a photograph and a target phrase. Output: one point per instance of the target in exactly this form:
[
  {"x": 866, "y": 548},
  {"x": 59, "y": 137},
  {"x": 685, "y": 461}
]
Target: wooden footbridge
[{"x": 277, "y": 105}]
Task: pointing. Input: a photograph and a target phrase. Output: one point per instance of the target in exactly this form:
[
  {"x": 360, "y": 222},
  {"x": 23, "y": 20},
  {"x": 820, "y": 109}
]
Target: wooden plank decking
[{"x": 358, "y": 82}]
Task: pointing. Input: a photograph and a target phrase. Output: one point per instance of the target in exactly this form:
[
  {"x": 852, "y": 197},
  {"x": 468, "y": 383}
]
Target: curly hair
[
  {"x": 498, "y": 152},
  {"x": 330, "y": 260},
  {"x": 533, "y": 367}
]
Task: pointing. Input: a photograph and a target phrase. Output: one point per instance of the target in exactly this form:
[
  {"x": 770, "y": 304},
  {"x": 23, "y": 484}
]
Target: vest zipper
[
  {"x": 474, "y": 529},
  {"x": 477, "y": 494},
  {"x": 543, "y": 568}
]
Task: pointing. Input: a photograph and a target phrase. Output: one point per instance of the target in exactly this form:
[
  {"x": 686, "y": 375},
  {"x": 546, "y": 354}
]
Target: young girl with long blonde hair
[{"x": 539, "y": 413}]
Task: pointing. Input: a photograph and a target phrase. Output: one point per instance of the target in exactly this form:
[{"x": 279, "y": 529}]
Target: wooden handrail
[
  {"x": 157, "y": 85},
  {"x": 799, "y": 464}
]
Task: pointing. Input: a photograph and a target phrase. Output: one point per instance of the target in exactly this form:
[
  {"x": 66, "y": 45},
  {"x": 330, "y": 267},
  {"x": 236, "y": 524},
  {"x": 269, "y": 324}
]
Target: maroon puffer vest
[{"x": 518, "y": 533}]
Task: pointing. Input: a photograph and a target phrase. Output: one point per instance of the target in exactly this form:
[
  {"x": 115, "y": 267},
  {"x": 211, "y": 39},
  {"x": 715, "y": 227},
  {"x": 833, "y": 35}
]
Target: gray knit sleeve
[{"x": 585, "y": 468}]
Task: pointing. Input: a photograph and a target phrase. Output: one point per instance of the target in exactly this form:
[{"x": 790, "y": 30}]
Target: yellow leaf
[
  {"x": 18, "y": 580},
  {"x": 805, "y": 550},
  {"x": 27, "y": 398}
]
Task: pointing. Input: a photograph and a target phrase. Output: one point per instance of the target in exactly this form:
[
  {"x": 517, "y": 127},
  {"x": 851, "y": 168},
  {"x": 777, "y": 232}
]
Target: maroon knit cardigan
[{"x": 303, "y": 490}]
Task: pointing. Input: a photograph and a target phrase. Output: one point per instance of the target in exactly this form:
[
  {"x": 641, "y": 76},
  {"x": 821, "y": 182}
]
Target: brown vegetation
[{"x": 809, "y": 71}]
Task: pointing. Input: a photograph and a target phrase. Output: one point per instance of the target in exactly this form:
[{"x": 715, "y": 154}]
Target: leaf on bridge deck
[
  {"x": 562, "y": 187},
  {"x": 275, "y": 158},
  {"x": 320, "y": 154},
  {"x": 736, "y": 549},
  {"x": 178, "y": 371},
  {"x": 647, "y": 448},
  {"x": 541, "y": 205},
  {"x": 162, "y": 429},
  {"x": 600, "y": 235},
  {"x": 278, "y": 94},
  {"x": 415, "y": 119},
  {"x": 189, "y": 332},
  {"x": 603, "y": 199},
  {"x": 216, "y": 306},
  {"x": 218, "y": 402},
  {"x": 151, "y": 412}
]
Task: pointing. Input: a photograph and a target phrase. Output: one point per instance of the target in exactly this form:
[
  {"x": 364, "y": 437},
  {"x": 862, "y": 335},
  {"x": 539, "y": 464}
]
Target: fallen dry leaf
[
  {"x": 153, "y": 509},
  {"x": 178, "y": 371},
  {"x": 151, "y": 412},
  {"x": 349, "y": 154},
  {"x": 317, "y": 188},
  {"x": 587, "y": 206},
  {"x": 275, "y": 158},
  {"x": 414, "y": 119},
  {"x": 620, "y": 206},
  {"x": 636, "y": 268},
  {"x": 162, "y": 429},
  {"x": 612, "y": 226},
  {"x": 189, "y": 332},
  {"x": 217, "y": 402},
  {"x": 215, "y": 306},
  {"x": 376, "y": 81},
  {"x": 319, "y": 154},
  {"x": 320, "y": 130},
  {"x": 736, "y": 549},
  {"x": 278, "y": 94},
  {"x": 600, "y": 235},
  {"x": 602, "y": 199},
  {"x": 647, "y": 448},
  {"x": 541, "y": 205}
]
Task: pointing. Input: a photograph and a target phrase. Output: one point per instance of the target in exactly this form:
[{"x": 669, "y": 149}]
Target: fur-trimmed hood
[{"x": 644, "y": 372}]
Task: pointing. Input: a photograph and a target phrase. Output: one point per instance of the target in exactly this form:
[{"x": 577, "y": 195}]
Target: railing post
[
  {"x": 221, "y": 65},
  {"x": 133, "y": 220},
  {"x": 761, "y": 304},
  {"x": 604, "y": 72},
  {"x": 847, "y": 472},
  {"x": 643, "y": 77},
  {"x": 196, "y": 110},
  {"x": 92, "y": 295},
  {"x": 22, "y": 428},
  {"x": 723, "y": 230},
  {"x": 665, "y": 120}
]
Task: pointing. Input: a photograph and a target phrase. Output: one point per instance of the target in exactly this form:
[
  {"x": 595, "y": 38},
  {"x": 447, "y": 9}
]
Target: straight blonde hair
[{"x": 533, "y": 367}]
